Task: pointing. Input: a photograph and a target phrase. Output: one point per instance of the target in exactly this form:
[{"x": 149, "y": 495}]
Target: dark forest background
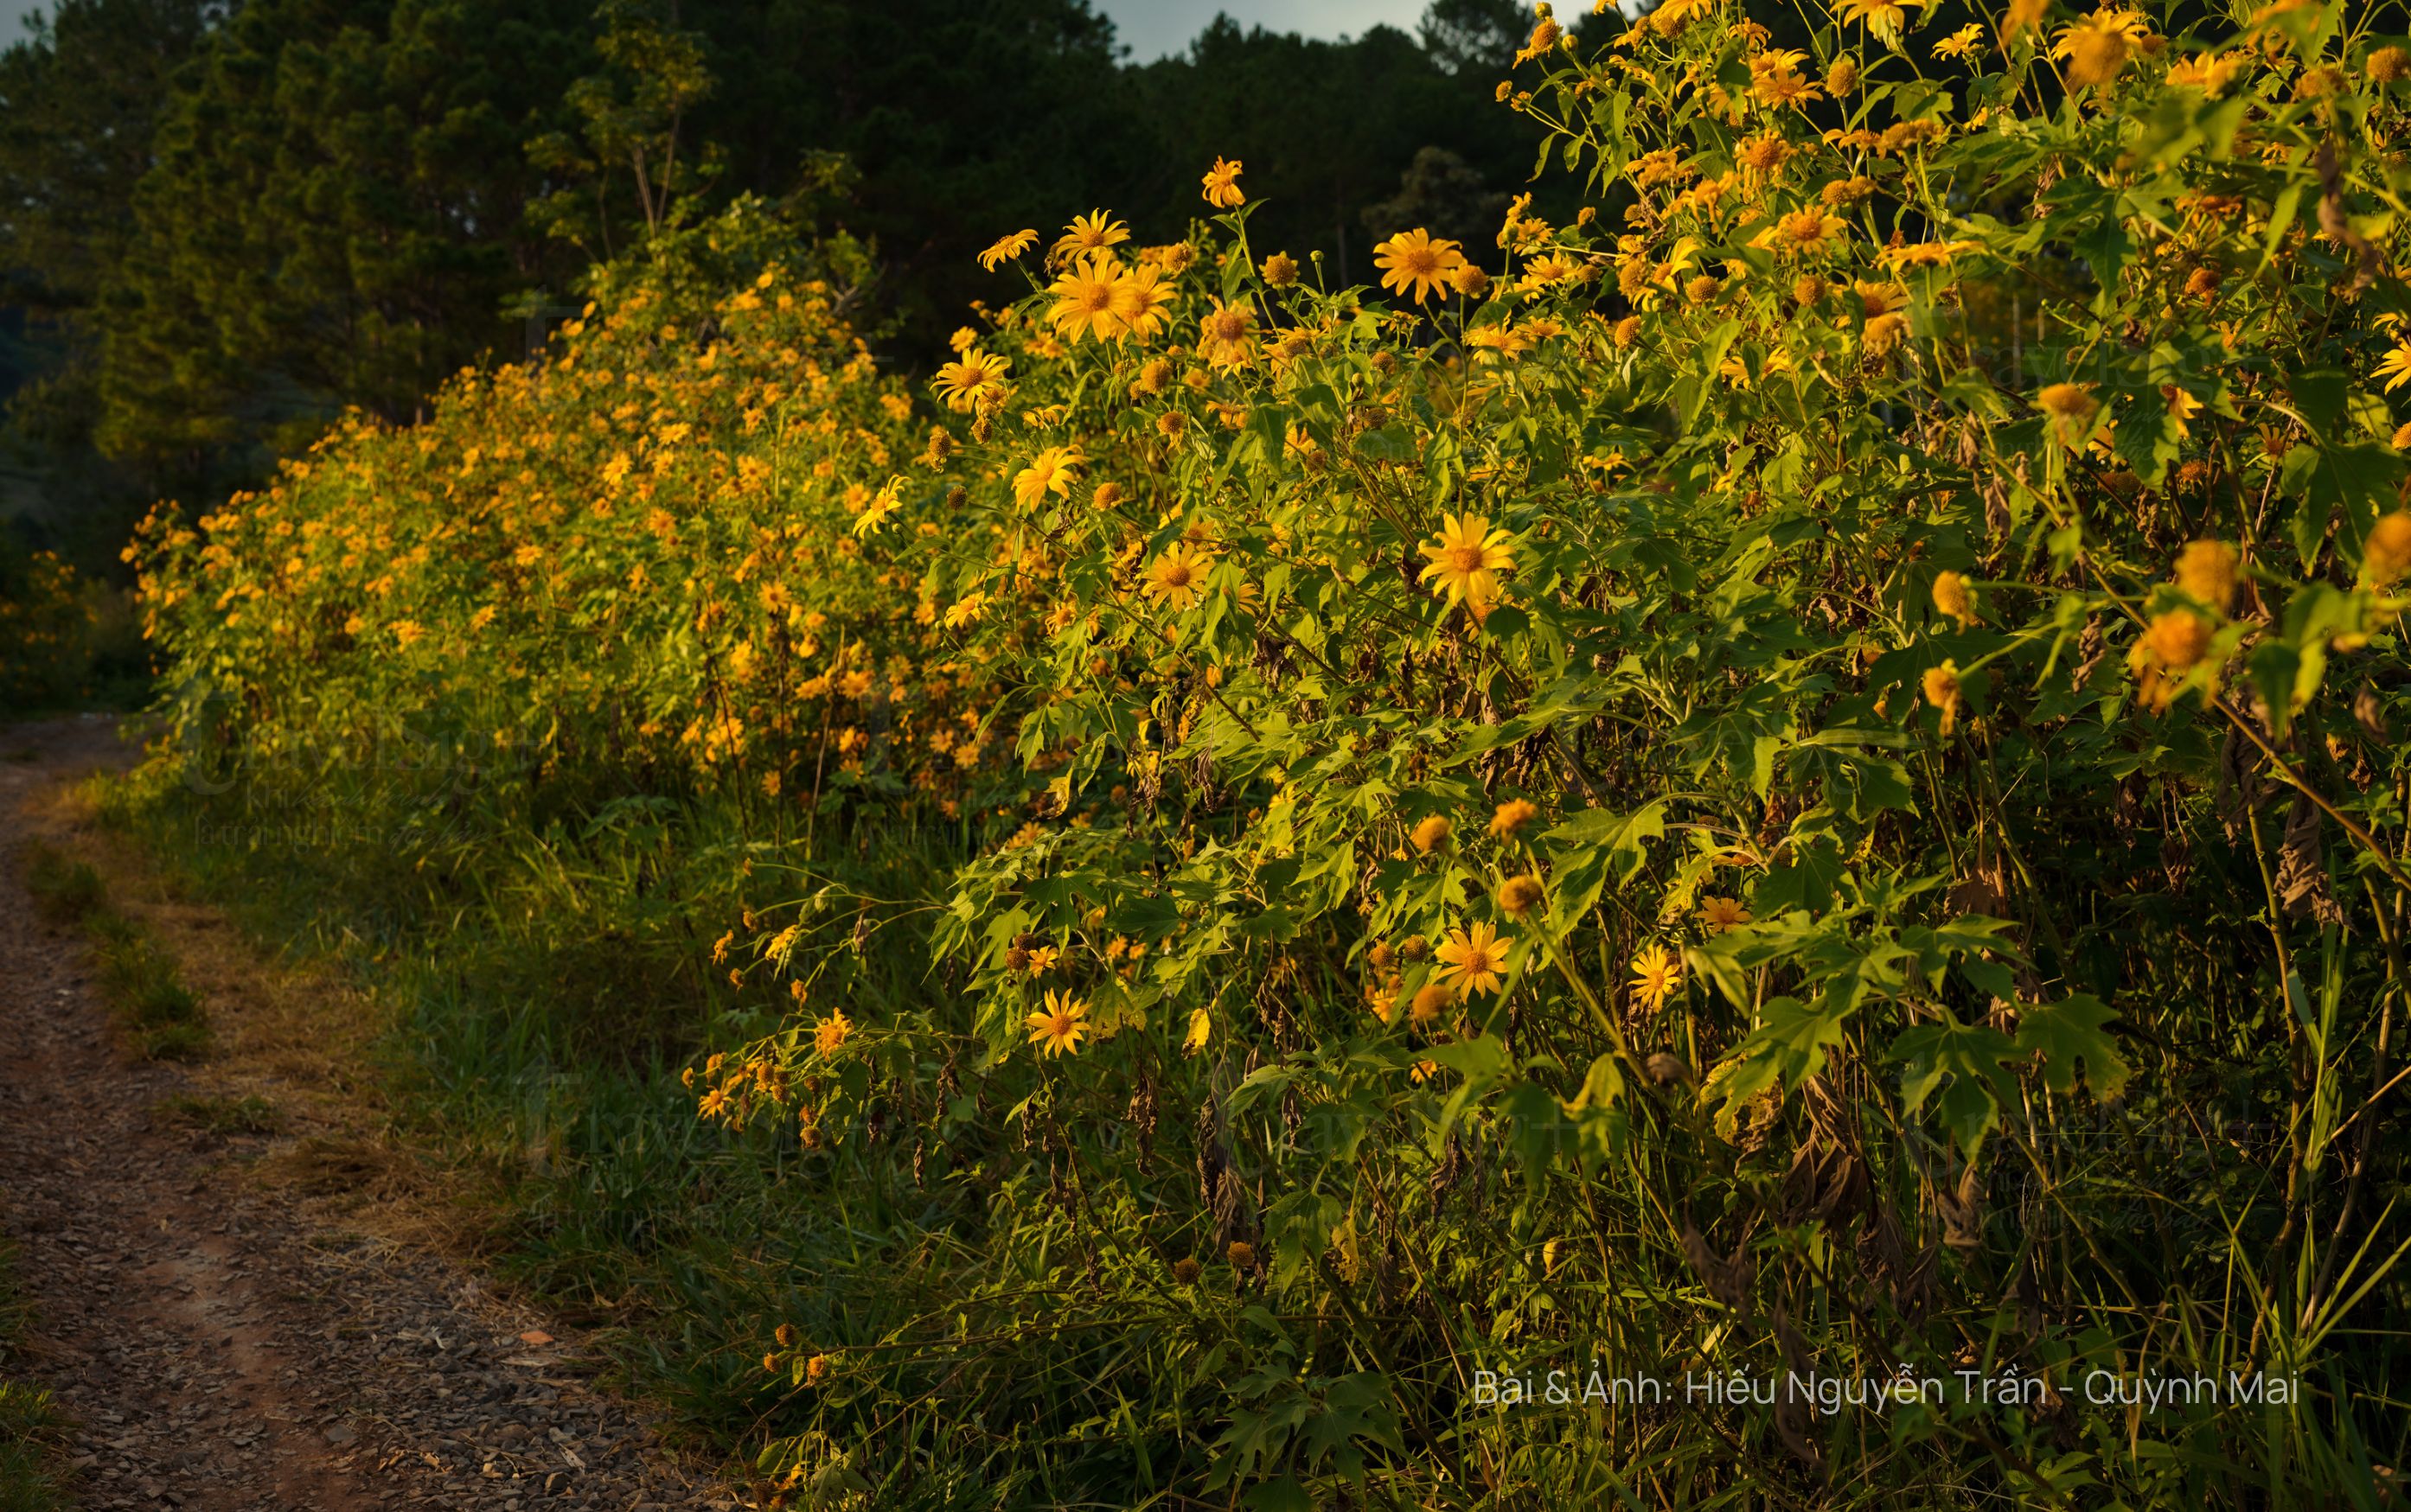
[{"x": 220, "y": 226}]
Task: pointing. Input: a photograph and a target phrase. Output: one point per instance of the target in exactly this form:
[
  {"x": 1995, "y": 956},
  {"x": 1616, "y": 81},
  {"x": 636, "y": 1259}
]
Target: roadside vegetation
[{"x": 1793, "y": 769}]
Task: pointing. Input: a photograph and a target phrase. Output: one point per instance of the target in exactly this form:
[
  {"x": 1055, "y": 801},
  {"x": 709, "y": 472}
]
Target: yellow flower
[
  {"x": 832, "y": 1033},
  {"x": 1940, "y": 686},
  {"x": 1472, "y": 960},
  {"x": 1226, "y": 336},
  {"x": 1967, "y": 42},
  {"x": 2066, "y": 403},
  {"x": 1763, "y": 156},
  {"x": 1085, "y": 299},
  {"x": 1052, "y": 471},
  {"x": 1221, "y": 182},
  {"x": 1951, "y": 596},
  {"x": 2177, "y": 638},
  {"x": 1922, "y": 253},
  {"x": 1059, "y": 1029},
  {"x": 1089, "y": 233},
  {"x": 1493, "y": 343},
  {"x": 1722, "y": 913},
  {"x": 2098, "y": 47},
  {"x": 1545, "y": 37},
  {"x": 1884, "y": 18},
  {"x": 1542, "y": 272},
  {"x": 1005, "y": 249},
  {"x": 1412, "y": 262},
  {"x": 1279, "y": 270},
  {"x": 1431, "y": 833},
  {"x": 1467, "y": 555},
  {"x": 1520, "y": 896},
  {"x": 1512, "y": 816},
  {"x": 2395, "y": 368},
  {"x": 1805, "y": 231},
  {"x": 2387, "y": 554},
  {"x": 1140, "y": 300},
  {"x": 1656, "y": 973},
  {"x": 2210, "y": 72},
  {"x": 1178, "y": 576},
  {"x": 1879, "y": 298},
  {"x": 1776, "y": 79},
  {"x": 966, "y": 609},
  {"x": 2206, "y": 570}
]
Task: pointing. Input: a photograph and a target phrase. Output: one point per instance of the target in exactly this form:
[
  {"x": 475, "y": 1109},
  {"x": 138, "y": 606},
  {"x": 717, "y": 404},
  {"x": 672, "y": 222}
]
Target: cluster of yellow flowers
[{"x": 709, "y": 552}]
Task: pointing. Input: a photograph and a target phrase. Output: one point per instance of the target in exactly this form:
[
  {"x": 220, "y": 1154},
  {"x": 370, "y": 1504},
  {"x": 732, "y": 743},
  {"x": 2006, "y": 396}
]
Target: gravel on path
[{"x": 221, "y": 1344}]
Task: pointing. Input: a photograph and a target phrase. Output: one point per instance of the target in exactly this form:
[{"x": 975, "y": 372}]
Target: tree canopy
[{"x": 225, "y": 225}]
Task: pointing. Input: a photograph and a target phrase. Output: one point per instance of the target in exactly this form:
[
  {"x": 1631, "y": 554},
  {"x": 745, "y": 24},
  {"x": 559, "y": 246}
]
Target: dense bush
[{"x": 1802, "y": 780}]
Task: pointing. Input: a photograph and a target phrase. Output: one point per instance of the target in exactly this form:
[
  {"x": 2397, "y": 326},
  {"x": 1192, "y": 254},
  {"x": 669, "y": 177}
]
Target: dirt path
[{"x": 223, "y": 1344}]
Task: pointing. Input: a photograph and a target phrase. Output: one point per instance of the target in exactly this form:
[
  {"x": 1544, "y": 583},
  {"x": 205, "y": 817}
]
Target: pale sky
[{"x": 1150, "y": 28}]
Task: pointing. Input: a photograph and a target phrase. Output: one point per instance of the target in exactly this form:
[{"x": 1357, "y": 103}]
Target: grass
[
  {"x": 65, "y": 891},
  {"x": 540, "y": 1027},
  {"x": 248, "y": 1114},
  {"x": 31, "y": 1429},
  {"x": 163, "y": 1016}
]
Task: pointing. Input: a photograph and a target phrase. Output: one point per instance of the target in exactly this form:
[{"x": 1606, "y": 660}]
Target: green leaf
[
  {"x": 1789, "y": 1045},
  {"x": 1965, "y": 1062},
  {"x": 2067, "y": 1033},
  {"x": 1621, "y": 835}
]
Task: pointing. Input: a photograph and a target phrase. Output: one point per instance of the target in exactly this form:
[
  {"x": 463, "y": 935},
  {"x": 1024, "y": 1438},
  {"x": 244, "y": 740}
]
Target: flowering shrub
[
  {"x": 1793, "y": 777},
  {"x": 654, "y": 559}
]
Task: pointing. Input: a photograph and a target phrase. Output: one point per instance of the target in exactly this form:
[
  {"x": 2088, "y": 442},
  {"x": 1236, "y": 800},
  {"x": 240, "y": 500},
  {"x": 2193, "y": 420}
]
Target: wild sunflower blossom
[
  {"x": 1805, "y": 233},
  {"x": 1226, "y": 336},
  {"x": 1467, "y": 557},
  {"x": 2098, "y": 47},
  {"x": 1177, "y": 579},
  {"x": 1005, "y": 249},
  {"x": 1953, "y": 597},
  {"x": 1412, "y": 262},
  {"x": 1776, "y": 79},
  {"x": 2395, "y": 366},
  {"x": 1086, "y": 235},
  {"x": 1719, "y": 914},
  {"x": 831, "y": 1033},
  {"x": 1052, "y": 471},
  {"x": 2070, "y": 406},
  {"x": 1059, "y": 1029},
  {"x": 1472, "y": 960},
  {"x": 1657, "y": 972},
  {"x": 1085, "y": 298},
  {"x": 1221, "y": 182},
  {"x": 2206, "y": 570},
  {"x": 1965, "y": 43},
  {"x": 1141, "y": 301},
  {"x": 1883, "y": 18}
]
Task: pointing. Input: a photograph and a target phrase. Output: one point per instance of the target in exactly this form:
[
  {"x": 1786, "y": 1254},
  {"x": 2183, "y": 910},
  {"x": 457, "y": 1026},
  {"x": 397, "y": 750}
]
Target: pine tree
[{"x": 335, "y": 218}]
